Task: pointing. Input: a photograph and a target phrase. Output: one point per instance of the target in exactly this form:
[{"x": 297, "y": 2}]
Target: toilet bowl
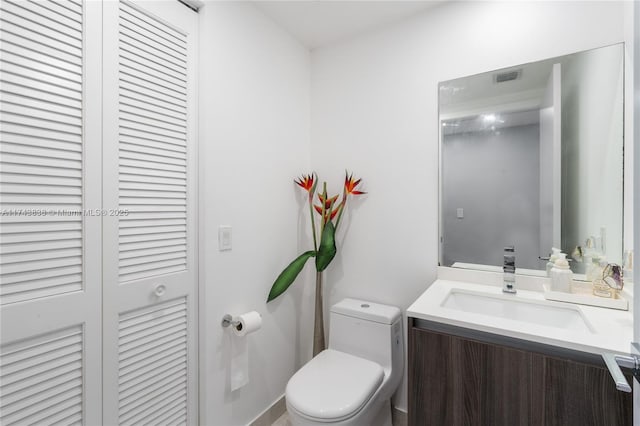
[{"x": 351, "y": 382}]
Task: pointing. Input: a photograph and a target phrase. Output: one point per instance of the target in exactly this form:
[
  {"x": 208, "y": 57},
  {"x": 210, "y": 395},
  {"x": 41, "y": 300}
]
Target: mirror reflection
[{"x": 532, "y": 157}]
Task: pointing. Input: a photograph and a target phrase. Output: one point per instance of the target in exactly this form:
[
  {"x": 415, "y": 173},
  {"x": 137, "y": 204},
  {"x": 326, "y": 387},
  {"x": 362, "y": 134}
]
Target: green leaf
[
  {"x": 289, "y": 274},
  {"x": 327, "y": 249}
]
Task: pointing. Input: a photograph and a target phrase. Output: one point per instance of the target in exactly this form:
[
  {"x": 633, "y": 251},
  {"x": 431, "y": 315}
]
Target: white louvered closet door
[
  {"x": 150, "y": 333},
  {"x": 50, "y": 253}
]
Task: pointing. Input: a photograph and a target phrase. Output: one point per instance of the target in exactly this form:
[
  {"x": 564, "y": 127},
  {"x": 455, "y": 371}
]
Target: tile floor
[
  {"x": 283, "y": 420},
  {"x": 400, "y": 419}
]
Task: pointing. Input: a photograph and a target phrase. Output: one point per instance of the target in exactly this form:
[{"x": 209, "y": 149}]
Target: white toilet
[{"x": 351, "y": 382}]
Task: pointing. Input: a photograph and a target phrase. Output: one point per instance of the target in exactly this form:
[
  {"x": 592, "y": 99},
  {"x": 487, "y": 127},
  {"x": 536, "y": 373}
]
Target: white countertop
[{"x": 612, "y": 330}]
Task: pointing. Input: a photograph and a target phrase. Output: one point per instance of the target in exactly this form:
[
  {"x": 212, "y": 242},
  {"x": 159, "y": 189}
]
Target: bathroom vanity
[
  {"x": 519, "y": 158},
  {"x": 477, "y": 356}
]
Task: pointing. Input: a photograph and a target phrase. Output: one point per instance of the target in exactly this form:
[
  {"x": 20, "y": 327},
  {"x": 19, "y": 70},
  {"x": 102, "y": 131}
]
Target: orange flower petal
[
  {"x": 330, "y": 201},
  {"x": 350, "y": 185},
  {"x": 305, "y": 181}
]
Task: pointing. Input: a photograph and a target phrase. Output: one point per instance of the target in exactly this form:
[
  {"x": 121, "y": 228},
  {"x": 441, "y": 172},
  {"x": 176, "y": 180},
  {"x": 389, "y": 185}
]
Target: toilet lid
[{"x": 333, "y": 385}]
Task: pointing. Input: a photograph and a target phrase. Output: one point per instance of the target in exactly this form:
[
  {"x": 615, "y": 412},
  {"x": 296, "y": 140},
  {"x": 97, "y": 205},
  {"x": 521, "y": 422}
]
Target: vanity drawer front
[{"x": 456, "y": 380}]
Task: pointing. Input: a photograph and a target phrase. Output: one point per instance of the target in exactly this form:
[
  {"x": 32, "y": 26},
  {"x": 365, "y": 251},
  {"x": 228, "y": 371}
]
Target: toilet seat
[{"x": 333, "y": 386}]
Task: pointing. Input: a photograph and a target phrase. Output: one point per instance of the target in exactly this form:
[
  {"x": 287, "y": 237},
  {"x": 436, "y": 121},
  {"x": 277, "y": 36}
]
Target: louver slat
[
  {"x": 148, "y": 75},
  {"x": 41, "y": 379},
  {"x": 153, "y": 364},
  {"x": 74, "y": 17},
  {"x": 47, "y": 9},
  {"x": 47, "y": 116},
  {"x": 134, "y": 106},
  {"x": 39, "y": 48},
  {"x": 152, "y": 146},
  {"x": 170, "y": 38},
  {"x": 52, "y": 26},
  {"x": 41, "y": 150},
  {"x": 36, "y": 61},
  {"x": 170, "y": 359}
]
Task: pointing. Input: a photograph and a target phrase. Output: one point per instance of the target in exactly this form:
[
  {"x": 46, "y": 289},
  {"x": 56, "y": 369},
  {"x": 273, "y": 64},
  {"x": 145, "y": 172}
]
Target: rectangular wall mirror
[{"x": 531, "y": 156}]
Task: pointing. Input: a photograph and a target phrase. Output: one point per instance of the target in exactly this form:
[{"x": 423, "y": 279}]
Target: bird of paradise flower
[{"x": 325, "y": 251}]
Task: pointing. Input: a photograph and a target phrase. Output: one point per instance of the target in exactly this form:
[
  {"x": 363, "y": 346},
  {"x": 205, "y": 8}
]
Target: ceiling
[
  {"x": 490, "y": 122},
  {"x": 317, "y": 23},
  {"x": 533, "y": 78},
  {"x": 481, "y": 94}
]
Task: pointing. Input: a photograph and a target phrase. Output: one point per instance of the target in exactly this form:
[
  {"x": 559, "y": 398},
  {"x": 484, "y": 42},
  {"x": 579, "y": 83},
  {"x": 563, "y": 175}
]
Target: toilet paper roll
[{"x": 247, "y": 323}]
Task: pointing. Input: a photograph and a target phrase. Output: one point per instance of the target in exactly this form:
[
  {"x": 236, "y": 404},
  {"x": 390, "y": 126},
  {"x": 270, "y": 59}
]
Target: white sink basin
[
  {"x": 481, "y": 306},
  {"x": 509, "y": 307}
]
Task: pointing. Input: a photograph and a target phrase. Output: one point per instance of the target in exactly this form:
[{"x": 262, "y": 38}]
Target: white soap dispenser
[
  {"x": 552, "y": 259},
  {"x": 561, "y": 275}
]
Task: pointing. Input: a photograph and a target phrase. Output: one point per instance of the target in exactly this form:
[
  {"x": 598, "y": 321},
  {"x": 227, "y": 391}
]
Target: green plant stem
[
  {"x": 324, "y": 208},
  {"x": 342, "y": 206},
  {"x": 313, "y": 223}
]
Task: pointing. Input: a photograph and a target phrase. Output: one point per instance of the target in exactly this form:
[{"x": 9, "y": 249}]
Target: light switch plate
[
  {"x": 224, "y": 238},
  {"x": 460, "y": 212}
]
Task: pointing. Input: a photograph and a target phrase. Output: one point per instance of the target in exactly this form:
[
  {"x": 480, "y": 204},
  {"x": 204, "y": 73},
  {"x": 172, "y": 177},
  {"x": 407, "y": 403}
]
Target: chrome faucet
[{"x": 509, "y": 269}]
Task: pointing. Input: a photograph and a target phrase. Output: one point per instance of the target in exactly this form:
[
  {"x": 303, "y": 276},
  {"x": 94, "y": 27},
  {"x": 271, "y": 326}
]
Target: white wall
[
  {"x": 254, "y": 138},
  {"x": 374, "y": 110},
  {"x": 592, "y": 126},
  {"x": 630, "y": 171},
  {"x": 550, "y": 161},
  {"x": 497, "y": 212},
  {"x": 635, "y": 164}
]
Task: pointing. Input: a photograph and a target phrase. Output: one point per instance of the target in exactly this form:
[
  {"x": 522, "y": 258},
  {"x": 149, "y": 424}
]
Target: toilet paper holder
[
  {"x": 228, "y": 320},
  {"x": 243, "y": 324}
]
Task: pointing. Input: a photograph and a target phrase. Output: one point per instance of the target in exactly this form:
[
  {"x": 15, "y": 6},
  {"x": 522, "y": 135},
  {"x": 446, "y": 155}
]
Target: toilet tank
[{"x": 366, "y": 329}]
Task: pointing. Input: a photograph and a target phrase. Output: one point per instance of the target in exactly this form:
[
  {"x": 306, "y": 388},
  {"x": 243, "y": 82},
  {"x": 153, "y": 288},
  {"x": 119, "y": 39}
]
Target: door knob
[{"x": 160, "y": 290}]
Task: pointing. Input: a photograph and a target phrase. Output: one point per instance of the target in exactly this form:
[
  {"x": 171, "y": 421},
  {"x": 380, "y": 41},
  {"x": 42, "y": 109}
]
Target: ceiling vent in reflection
[{"x": 503, "y": 77}]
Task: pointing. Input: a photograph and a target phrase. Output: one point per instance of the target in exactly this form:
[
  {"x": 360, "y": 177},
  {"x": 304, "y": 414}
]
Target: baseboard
[
  {"x": 277, "y": 409},
  {"x": 271, "y": 414},
  {"x": 399, "y": 417}
]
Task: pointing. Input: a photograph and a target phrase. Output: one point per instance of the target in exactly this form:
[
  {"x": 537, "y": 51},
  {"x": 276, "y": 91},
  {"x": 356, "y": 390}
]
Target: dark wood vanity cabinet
[{"x": 463, "y": 377}]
